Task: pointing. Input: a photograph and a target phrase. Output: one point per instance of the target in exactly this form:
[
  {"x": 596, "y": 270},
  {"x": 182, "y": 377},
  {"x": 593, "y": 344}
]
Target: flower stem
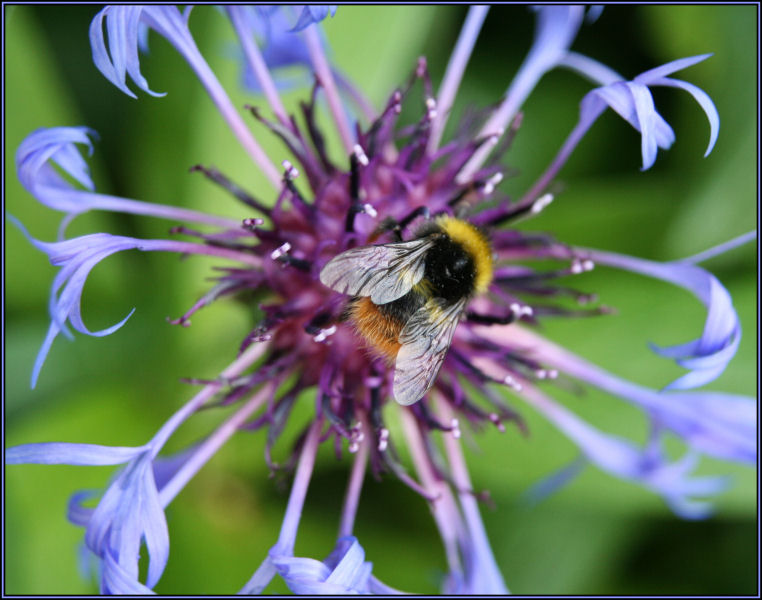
[
  {"x": 287, "y": 537},
  {"x": 162, "y": 211},
  {"x": 193, "y": 248},
  {"x": 352, "y": 497},
  {"x": 488, "y": 572},
  {"x": 257, "y": 64},
  {"x": 443, "y": 507},
  {"x": 454, "y": 72},
  {"x": 234, "y": 120}
]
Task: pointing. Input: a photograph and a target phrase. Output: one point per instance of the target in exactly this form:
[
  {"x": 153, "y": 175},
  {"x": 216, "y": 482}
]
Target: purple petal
[{"x": 57, "y": 453}]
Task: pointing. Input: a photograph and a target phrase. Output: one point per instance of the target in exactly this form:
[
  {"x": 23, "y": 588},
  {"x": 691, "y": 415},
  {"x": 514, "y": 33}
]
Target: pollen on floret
[{"x": 476, "y": 244}]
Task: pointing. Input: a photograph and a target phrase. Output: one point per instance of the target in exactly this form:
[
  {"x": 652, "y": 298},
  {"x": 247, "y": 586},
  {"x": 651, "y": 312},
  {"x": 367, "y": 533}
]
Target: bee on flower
[{"x": 401, "y": 293}]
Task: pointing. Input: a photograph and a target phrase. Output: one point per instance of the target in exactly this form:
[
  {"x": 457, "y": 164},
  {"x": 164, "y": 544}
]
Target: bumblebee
[{"x": 409, "y": 296}]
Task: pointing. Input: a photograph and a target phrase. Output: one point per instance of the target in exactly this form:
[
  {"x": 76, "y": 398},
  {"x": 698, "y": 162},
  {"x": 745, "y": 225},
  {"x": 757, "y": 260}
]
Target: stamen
[
  {"x": 489, "y": 186},
  {"x": 383, "y": 439},
  {"x": 280, "y": 251},
  {"x": 580, "y": 266},
  {"x": 543, "y": 374},
  {"x": 497, "y": 422},
  {"x": 454, "y": 427},
  {"x": 521, "y": 311},
  {"x": 369, "y": 210},
  {"x": 252, "y": 223},
  {"x": 324, "y": 334},
  {"x": 362, "y": 158},
  {"x": 512, "y": 383},
  {"x": 420, "y": 69},
  {"x": 431, "y": 109},
  {"x": 397, "y": 102},
  {"x": 291, "y": 171},
  {"x": 541, "y": 203},
  {"x": 356, "y": 437}
]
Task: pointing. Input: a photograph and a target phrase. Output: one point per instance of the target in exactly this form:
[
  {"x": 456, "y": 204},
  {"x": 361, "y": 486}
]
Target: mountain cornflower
[{"x": 397, "y": 171}]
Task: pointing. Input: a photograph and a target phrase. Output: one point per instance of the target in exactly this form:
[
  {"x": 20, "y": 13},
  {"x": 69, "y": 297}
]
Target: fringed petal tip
[
  {"x": 126, "y": 35},
  {"x": 708, "y": 355},
  {"x": 633, "y": 101},
  {"x": 56, "y": 145}
]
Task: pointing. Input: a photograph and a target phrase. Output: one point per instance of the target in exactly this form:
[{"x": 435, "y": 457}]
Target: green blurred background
[{"x": 597, "y": 536}]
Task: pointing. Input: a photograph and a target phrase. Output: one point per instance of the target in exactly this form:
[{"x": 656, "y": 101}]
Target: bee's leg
[
  {"x": 490, "y": 319},
  {"x": 421, "y": 211},
  {"x": 396, "y": 227}
]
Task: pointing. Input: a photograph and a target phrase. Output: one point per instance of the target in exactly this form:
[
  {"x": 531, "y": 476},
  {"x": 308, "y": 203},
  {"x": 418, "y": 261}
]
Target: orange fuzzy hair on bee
[{"x": 378, "y": 329}]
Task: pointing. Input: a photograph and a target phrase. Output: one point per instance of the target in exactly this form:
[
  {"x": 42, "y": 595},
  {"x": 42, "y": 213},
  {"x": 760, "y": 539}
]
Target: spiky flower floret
[
  {"x": 395, "y": 178},
  {"x": 392, "y": 183}
]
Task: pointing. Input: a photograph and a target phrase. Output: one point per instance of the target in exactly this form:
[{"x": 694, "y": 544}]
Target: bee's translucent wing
[
  {"x": 425, "y": 340},
  {"x": 384, "y": 273}
]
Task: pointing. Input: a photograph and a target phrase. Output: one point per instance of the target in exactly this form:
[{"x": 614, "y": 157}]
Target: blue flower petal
[
  {"x": 555, "y": 481},
  {"x": 645, "y": 466},
  {"x": 652, "y": 75},
  {"x": 344, "y": 571},
  {"x": 128, "y": 512},
  {"x": 76, "y": 513},
  {"x": 118, "y": 581},
  {"x": 57, "y": 453},
  {"x": 633, "y": 101},
  {"x": 709, "y": 354},
  {"x": 121, "y": 57},
  {"x": 313, "y": 14},
  {"x": 703, "y": 99},
  {"x": 57, "y": 145}
]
